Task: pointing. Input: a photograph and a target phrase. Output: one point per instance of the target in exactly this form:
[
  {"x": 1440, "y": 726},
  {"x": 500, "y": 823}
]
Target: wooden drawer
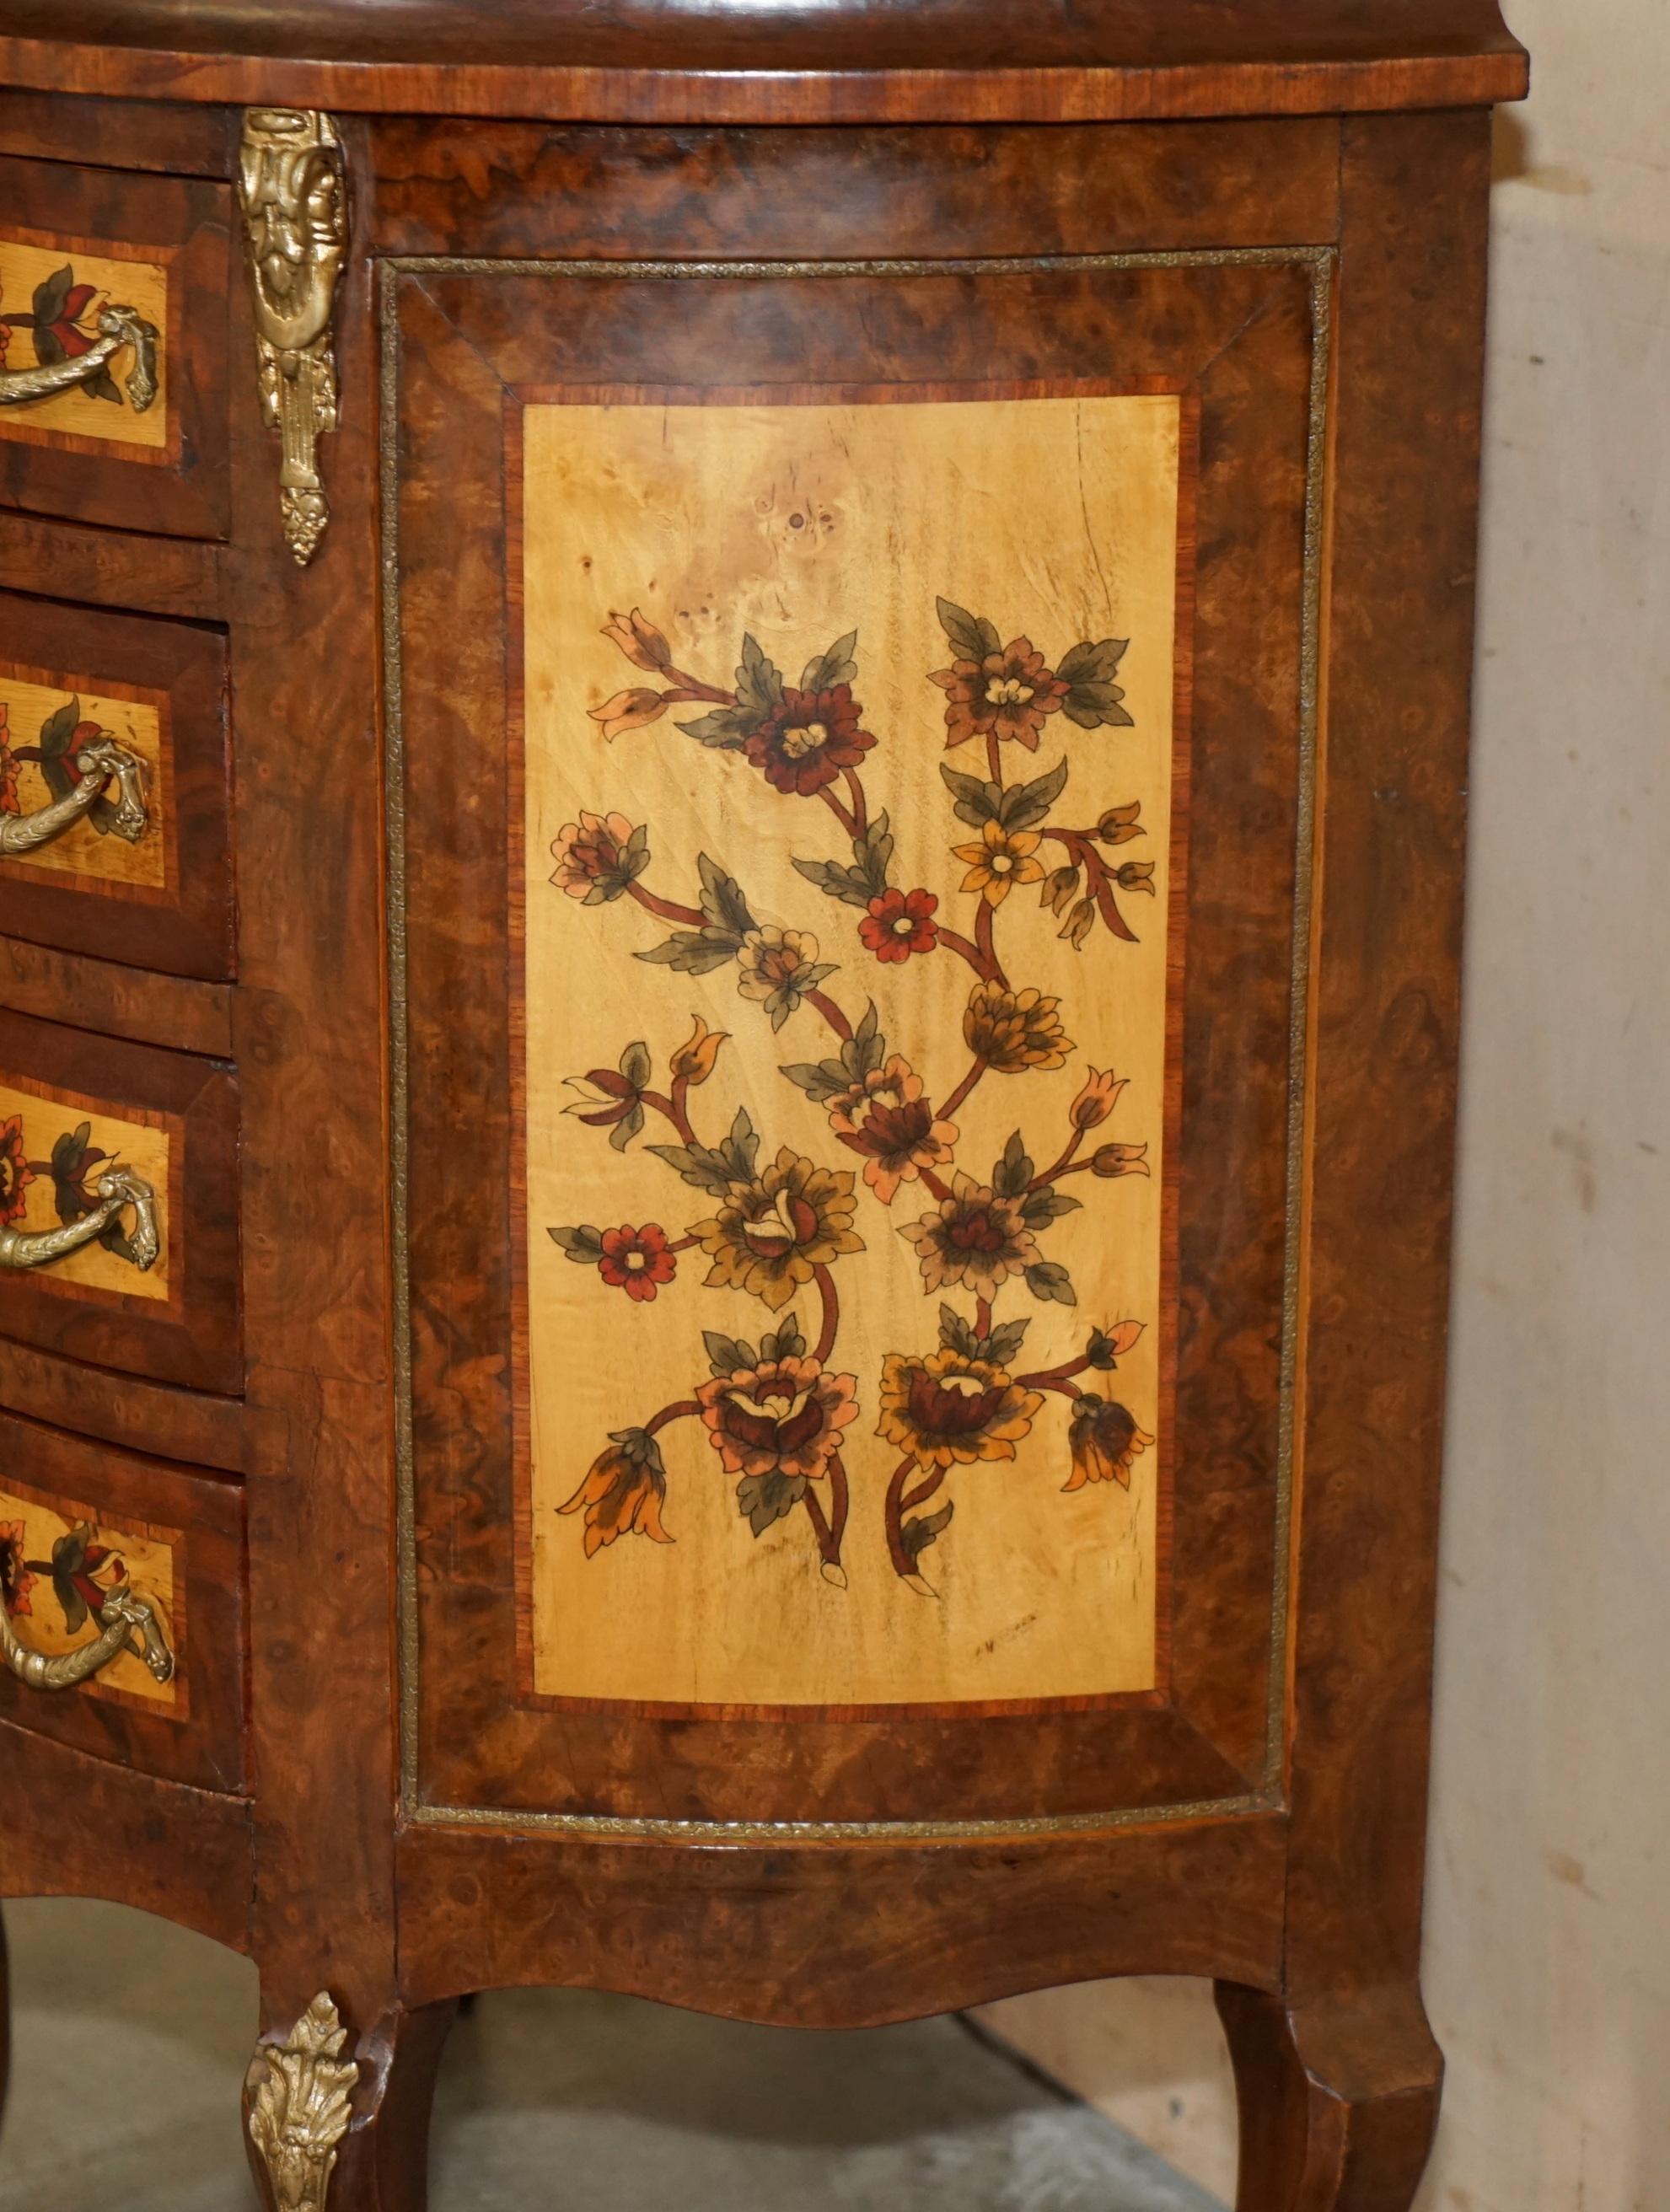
[
  {"x": 150, "y": 888},
  {"x": 81, "y": 1521},
  {"x": 75, "y": 1108},
  {"x": 73, "y": 243}
]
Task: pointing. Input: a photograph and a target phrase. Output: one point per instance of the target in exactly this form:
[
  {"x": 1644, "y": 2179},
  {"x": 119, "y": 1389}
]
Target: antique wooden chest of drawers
[{"x": 732, "y": 751}]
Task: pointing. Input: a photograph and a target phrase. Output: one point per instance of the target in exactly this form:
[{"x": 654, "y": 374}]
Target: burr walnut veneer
[{"x": 731, "y": 761}]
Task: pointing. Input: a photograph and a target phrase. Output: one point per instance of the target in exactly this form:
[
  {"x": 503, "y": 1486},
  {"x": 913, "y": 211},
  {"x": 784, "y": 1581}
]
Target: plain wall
[{"x": 1548, "y": 1940}]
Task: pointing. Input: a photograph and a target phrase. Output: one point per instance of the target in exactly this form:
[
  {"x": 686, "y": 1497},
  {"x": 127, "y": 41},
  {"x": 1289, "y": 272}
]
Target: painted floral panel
[
  {"x": 53, "y": 1152},
  {"x": 59, "y": 1565},
  {"x": 847, "y": 834},
  {"x": 43, "y": 720},
  {"x": 51, "y": 295}
]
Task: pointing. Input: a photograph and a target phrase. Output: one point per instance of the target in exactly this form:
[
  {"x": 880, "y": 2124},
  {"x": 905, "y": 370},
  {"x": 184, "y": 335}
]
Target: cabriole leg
[
  {"x": 334, "y": 2126},
  {"x": 1337, "y": 2101}
]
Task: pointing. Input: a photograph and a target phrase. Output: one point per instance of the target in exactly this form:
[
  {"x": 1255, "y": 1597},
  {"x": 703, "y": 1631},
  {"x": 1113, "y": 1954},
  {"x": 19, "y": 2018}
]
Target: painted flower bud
[
  {"x": 1119, "y": 825},
  {"x": 1096, "y": 1101},
  {"x": 640, "y": 641},
  {"x": 1136, "y": 876},
  {"x": 1079, "y": 923},
  {"x": 1059, "y": 885},
  {"x": 695, "y": 1060},
  {"x": 1121, "y": 1160}
]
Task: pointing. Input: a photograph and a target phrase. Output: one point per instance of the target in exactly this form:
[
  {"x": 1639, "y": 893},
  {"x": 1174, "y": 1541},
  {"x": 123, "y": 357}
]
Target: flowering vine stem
[
  {"x": 963, "y": 1089},
  {"x": 685, "y": 1409},
  {"x": 828, "y": 1293},
  {"x": 1098, "y": 875},
  {"x": 903, "y": 1566}
]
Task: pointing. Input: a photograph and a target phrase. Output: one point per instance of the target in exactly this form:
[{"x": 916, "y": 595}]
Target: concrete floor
[{"x": 131, "y": 2039}]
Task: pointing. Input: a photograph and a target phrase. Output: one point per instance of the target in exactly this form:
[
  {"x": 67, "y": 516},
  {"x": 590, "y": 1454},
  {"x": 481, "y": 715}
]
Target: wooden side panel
[
  {"x": 78, "y": 1826},
  {"x": 1385, "y": 1023}
]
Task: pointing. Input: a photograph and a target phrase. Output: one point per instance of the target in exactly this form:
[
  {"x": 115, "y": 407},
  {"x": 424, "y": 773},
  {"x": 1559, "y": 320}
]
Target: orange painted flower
[
  {"x": 775, "y": 1232},
  {"x": 885, "y": 1117},
  {"x": 973, "y": 1240},
  {"x": 1104, "y": 1439},
  {"x": 623, "y": 1492},
  {"x": 950, "y": 1409},
  {"x": 1007, "y": 694},
  {"x": 15, "y": 1173},
  {"x": 628, "y": 710},
  {"x": 697, "y": 1058},
  {"x": 1001, "y": 859},
  {"x": 1014, "y": 1030},
  {"x": 783, "y": 1417}
]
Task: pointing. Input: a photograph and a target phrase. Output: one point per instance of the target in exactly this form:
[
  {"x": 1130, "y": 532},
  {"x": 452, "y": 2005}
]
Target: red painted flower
[
  {"x": 636, "y": 1260},
  {"x": 808, "y": 738},
  {"x": 15, "y": 1173},
  {"x": 900, "y": 923}
]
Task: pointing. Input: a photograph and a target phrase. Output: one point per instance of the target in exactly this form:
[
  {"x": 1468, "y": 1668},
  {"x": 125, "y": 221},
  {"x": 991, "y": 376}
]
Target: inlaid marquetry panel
[
  {"x": 53, "y": 291},
  {"x": 59, "y": 1561},
  {"x": 53, "y": 1147},
  {"x": 849, "y": 875},
  {"x": 44, "y": 716}
]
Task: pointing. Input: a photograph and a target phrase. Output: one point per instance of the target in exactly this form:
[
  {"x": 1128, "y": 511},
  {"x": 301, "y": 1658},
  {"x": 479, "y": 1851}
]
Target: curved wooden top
[{"x": 775, "y": 60}]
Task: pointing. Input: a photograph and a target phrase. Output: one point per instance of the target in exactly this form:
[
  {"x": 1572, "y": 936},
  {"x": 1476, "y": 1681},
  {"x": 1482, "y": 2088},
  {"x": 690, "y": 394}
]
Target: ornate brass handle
[
  {"x": 127, "y": 1623},
  {"x": 98, "y": 761},
  {"x": 116, "y": 1188},
  {"x": 117, "y": 326}
]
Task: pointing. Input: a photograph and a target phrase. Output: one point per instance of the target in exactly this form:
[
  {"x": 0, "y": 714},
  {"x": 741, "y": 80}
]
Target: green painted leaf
[
  {"x": 971, "y": 636},
  {"x": 1026, "y": 804},
  {"x": 1049, "y": 1280},
  {"x": 835, "y": 666}
]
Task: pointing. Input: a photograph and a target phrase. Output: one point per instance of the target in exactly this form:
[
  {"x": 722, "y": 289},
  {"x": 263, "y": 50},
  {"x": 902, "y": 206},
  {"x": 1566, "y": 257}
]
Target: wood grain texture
[
  {"x": 190, "y": 1335},
  {"x": 1337, "y": 2102},
  {"x": 125, "y": 1409},
  {"x": 311, "y": 1038},
  {"x": 192, "y": 1730},
  {"x": 522, "y": 188},
  {"x": 114, "y": 1000},
  {"x": 166, "y": 1849},
  {"x": 166, "y": 903},
  {"x": 109, "y": 568},
  {"x": 792, "y": 62},
  {"x": 834, "y": 1937},
  {"x": 1383, "y": 1077},
  {"x": 180, "y": 487},
  {"x": 118, "y": 134},
  {"x": 1245, "y": 331}
]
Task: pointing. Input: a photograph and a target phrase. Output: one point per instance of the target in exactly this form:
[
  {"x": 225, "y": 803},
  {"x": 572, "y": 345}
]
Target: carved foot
[
  {"x": 339, "y": 2128},
  {"x": 1339, "y": 2101}
]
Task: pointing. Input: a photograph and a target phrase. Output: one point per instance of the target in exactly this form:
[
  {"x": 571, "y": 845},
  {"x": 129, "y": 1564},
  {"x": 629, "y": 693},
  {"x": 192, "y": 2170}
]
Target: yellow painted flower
[
  {"x": 1002, "y": 859},
  {"x": 771, "y": 1234},
  {"x": 950, "y": 1409},
  {"x": 1104, "y": 1439},
  {"x": 1014, "y": 1030}
]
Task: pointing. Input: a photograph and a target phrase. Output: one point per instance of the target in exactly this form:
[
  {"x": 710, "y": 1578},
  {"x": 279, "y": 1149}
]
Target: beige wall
[{"x": 1548, "y": 1957}]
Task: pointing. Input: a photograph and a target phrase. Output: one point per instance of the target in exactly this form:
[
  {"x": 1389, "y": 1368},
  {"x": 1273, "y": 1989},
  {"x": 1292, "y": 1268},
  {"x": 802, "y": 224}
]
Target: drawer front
[
  {"x": 850, "y": 974},
  {"x": 118, "y": 1240},
  {"x": 155, "y": 1678},
  {"x": 114, "y": 835},
  {"x": 113, "y": 326}
]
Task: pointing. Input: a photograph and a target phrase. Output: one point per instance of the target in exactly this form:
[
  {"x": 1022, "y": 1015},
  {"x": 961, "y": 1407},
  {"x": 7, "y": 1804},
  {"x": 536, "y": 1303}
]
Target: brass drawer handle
[
  {"x": 117, "y": 326},
  {"x": 116, "y": 1188},
  {"x": 97, "y": 762},
  {"x": 127, "y": 1623}
]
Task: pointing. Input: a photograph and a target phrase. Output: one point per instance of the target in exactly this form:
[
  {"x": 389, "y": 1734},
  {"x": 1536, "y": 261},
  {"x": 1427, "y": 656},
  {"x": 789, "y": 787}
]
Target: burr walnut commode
[{"x": 731, "y": 766}]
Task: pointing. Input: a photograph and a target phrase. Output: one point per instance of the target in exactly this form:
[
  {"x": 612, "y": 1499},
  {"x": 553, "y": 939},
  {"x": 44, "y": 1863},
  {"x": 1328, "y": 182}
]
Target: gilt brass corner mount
[
  {"x": 293, "y": 188},
  {"x": 299, "y": 2106}
]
